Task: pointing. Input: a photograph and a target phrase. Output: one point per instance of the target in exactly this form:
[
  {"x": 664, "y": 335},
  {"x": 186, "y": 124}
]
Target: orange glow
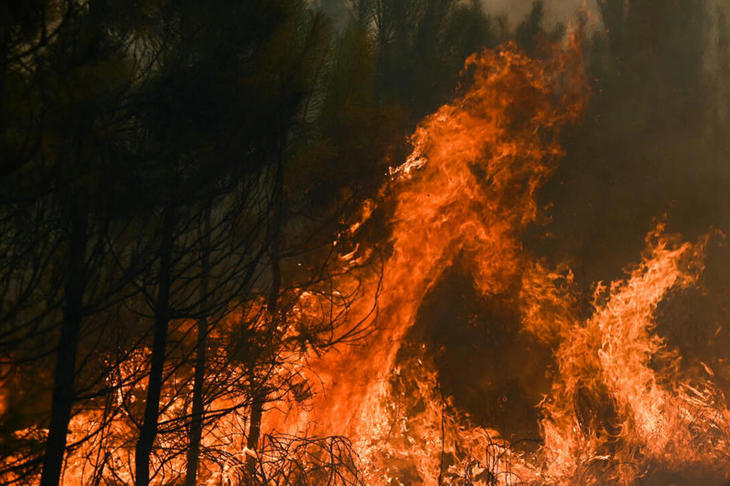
[
  {"x": 468, "y": 188},
  {"x": 618, "y": 403}
]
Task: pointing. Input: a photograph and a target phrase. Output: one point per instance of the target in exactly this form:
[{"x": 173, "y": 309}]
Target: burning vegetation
[{"x": 364, "y": 243}]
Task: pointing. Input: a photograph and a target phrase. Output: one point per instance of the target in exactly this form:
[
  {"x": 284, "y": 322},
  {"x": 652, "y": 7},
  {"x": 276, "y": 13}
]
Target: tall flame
[
  {"x": 468, "y": 188},
  {"x": 620, "y": 405}
]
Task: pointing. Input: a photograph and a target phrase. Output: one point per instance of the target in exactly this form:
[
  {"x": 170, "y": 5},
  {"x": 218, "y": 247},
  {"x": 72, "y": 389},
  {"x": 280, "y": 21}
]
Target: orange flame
[
  {"x": 468, "y": 188},
  {"x": 618, "y": 405}
]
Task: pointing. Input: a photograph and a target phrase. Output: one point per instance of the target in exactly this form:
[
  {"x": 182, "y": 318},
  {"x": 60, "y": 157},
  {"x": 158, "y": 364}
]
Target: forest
[{"x": 364, "y": 242}]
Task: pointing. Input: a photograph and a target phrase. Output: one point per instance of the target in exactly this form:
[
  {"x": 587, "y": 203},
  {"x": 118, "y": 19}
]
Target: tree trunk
[
  {"x": 197, "y": 418},
  {"x": 196, "y": 423},
  {"x": 257, "y": 407},
  {"x": 63, "y": 386},
  {"x": 254, "y": 432},
  {"x": 148, "y": 433}
]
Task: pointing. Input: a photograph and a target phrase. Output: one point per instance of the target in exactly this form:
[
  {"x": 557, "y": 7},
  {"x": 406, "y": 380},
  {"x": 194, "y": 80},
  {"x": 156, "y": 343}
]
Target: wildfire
[
  {"x": 618, "y": 404},
  {"x": 468, "y": 188}
]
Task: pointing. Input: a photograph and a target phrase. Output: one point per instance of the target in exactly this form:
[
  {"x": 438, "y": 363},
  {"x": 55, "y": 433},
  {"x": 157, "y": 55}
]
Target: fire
[
  {"x": 618, "y": 405},
  {"x": 468, "y": 188}
]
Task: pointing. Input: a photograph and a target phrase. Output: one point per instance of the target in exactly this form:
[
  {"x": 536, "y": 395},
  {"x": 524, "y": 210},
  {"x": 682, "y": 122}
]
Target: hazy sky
[{"x": 560, "y": 10}]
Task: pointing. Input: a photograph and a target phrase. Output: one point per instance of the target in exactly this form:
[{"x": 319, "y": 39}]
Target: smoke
[{"x": 562, "y": 11}]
